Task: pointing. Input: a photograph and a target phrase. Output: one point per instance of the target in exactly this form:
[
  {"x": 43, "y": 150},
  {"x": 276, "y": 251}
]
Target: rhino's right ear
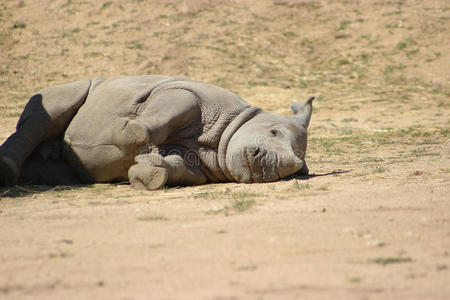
[{"x": 302, "y": 111}]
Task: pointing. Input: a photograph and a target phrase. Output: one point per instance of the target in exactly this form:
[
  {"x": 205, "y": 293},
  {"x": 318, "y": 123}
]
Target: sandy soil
[{"x": 370, "y": 222}]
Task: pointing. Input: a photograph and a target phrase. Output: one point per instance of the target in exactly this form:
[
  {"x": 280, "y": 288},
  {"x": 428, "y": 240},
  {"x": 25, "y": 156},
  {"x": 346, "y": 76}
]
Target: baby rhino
[{"x": 151, "y": 131}]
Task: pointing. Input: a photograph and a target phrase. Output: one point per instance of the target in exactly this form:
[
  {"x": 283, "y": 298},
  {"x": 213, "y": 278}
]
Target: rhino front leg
[
  {"x": 165, "y": 113},
  {"x": 183, "y": 173},
  {"x": 153, "y": 171},
  {"x": 149, "y": 172},
  {"x": 45, "y": 116}
]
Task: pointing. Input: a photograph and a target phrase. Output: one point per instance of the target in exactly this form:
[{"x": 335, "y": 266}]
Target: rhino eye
[{"x": 274, "y": 132}]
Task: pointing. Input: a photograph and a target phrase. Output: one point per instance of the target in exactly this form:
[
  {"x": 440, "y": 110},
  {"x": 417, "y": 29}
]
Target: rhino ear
[{"x": 302, "y": 111}]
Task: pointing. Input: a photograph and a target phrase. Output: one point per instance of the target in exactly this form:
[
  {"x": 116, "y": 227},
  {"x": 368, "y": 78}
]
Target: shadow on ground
[
  {"x": 313, "y": 175},
  {"x": 26, "y": 190}
]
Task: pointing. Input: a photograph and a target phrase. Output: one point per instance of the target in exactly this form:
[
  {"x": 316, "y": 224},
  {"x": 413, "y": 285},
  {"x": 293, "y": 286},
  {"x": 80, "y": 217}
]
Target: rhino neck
[{"x": 240, "y": 120}]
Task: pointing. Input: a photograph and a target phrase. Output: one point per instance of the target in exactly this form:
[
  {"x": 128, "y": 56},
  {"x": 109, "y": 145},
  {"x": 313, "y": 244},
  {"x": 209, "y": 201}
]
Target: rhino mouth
[{"x": 261, "y": 165}]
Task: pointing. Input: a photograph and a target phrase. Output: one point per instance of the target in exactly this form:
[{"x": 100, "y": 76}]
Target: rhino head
[{"x": 269, "y": 147}]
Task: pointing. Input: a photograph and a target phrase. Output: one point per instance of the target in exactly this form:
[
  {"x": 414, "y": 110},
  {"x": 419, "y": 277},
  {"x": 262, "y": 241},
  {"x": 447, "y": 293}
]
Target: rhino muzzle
[{"x": 257, "y": 165}]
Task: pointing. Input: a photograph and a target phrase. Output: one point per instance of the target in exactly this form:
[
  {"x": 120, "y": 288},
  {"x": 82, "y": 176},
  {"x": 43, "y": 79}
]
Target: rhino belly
[
  {"x": 102, "y": 163},
  {"x": 92, "y": 155}
]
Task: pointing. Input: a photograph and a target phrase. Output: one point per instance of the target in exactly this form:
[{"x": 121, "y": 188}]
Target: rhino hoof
[
  {"x": 147, "y": 177},
  {"x": 9, "y": 172}
]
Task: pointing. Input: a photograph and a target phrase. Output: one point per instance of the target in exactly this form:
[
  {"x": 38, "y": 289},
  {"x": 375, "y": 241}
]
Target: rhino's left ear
[{"x": 303, "y": 111}]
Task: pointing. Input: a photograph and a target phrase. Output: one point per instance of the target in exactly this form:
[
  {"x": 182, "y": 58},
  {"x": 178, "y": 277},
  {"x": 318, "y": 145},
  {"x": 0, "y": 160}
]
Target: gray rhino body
[{"x": 151, "y": 131}]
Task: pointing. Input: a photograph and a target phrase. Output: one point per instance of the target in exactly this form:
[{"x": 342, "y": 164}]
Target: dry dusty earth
[{"x": 371, "y": 222}]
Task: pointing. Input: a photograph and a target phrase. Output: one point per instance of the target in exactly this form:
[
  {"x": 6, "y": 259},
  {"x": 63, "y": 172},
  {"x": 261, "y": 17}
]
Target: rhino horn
[{"x": 302, "y": 111}]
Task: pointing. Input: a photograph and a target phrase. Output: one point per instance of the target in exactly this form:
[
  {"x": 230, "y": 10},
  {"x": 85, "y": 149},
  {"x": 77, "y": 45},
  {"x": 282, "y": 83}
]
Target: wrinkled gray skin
[{"x": 151, "y": 131}]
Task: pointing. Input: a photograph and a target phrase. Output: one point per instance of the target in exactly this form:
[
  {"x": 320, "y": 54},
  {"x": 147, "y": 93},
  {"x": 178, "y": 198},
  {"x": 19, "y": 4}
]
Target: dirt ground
[{"x": 372, "y": 221}]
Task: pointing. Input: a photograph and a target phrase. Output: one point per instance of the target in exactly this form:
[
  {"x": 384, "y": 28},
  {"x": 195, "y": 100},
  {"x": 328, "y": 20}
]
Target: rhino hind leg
[
  {"x": 9, "y": 171},
  {"x": 45, "y": 116}
]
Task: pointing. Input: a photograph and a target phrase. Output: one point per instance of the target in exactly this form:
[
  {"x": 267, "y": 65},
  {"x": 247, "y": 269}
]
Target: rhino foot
[
  {"x": 9, "y": 172},
  {"x": 149, "y": 173}
]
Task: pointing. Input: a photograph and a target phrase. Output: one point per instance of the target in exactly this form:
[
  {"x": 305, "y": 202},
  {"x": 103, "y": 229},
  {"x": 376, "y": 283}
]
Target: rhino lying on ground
[{"x": 151, "y": 131}]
